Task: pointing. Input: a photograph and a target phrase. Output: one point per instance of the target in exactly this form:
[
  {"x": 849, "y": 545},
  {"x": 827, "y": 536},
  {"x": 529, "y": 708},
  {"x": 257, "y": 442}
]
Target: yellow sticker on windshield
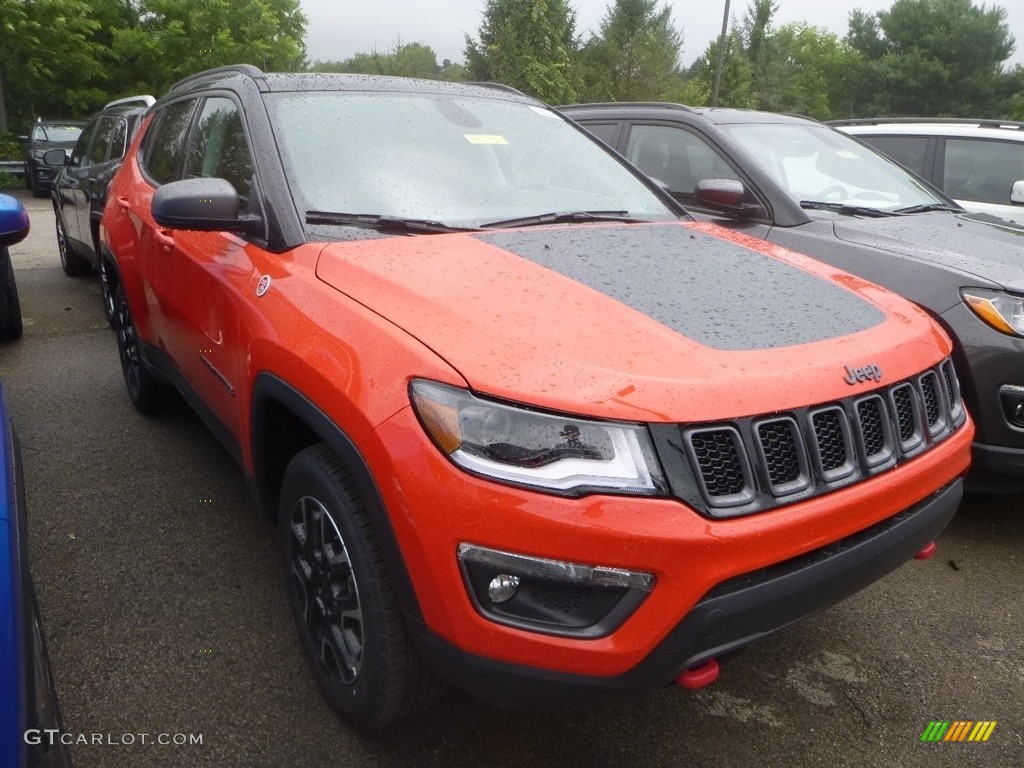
[
  {"x": 847, "y": 154},
  {"x": 485, "y": 138}
]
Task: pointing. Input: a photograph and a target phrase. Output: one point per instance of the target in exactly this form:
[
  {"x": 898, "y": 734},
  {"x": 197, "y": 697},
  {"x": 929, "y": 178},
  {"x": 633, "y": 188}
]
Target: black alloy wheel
[
  {"x": 107, "y": 291},
  {"x": 326, "y": 588},
  {"x": 346, "y": 611},
  {"x": 145, "y": 391},
  {"x": 72, "y": 264}
]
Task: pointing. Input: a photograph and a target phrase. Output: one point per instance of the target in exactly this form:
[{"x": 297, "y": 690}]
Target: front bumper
[
  {"x": 732, "y": 615},
  {"x": 434, "y": 507}
]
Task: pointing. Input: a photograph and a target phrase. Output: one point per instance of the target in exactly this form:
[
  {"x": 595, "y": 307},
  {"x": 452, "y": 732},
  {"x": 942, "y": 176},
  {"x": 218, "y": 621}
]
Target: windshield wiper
[
  {"x": 927, "y": 207},
  {"x": 845, "y": 209},
  {"x": 383, "y": 223},
  {"x": 564, "y": 217}
]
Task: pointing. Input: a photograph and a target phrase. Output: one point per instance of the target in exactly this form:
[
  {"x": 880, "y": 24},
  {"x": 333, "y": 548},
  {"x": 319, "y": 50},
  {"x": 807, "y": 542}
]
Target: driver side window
[
  {"x": 219, "y": 148},
  {"x": 675, "y": 157}
]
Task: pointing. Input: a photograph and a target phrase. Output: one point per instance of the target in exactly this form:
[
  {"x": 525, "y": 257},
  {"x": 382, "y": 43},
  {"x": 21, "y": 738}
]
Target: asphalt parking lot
[{"x": 165, "y": 612}]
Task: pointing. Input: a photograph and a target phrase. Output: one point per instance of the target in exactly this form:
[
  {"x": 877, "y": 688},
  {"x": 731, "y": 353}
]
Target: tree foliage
[
  {"x": 63, "y": 58},
  {"x": 932, "y": 57},
  {"x": 530, "y": 45},
  {"x": 635, "y": 55},
  {"x": 403, "y": 60}
]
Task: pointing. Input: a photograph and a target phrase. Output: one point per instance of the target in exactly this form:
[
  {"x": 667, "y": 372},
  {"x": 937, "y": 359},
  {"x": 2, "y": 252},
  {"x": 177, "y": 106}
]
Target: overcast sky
[{"x": 338, "y": 29}]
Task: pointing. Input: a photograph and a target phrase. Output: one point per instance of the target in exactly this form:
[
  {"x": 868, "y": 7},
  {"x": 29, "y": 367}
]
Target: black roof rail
[
  {"x": 661, "y": 104},
  {"x": 208, "y": 74},
  {"x": 980, "y": 123},
  {"x": 496, "y": 87}
]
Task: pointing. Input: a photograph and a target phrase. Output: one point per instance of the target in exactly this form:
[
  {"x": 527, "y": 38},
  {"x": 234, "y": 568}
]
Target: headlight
[
  {"x": 1002, "y": 311},
  {"x": 556, "y": 453},
  {"x": 38, "y": 153}
]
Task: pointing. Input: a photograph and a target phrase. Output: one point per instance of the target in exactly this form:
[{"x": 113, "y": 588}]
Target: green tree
[
  {"x": 530, "y": 45},
  {"x": 635, "y": 55},
  {"x": 176, "y": 38},
  {"x": 932, "y": 57},
  {"x": 48, "y": 60},
  {"x": 403, "y": 60}
]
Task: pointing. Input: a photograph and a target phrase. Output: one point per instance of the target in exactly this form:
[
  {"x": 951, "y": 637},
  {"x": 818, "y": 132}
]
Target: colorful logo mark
[{"x": 958, "y": 730}]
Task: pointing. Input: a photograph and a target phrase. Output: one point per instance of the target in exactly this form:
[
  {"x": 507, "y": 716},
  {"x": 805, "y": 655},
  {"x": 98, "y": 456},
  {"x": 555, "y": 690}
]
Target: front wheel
[
  {"x": 344, "y": 604},
  {"x": 72, "y": 264},
  {"x": 147, "y": 394}
]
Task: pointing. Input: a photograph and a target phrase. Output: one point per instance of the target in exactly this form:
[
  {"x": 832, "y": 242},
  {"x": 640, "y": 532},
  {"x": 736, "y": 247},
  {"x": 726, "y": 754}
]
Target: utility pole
[{"x": 721, "y": 56}]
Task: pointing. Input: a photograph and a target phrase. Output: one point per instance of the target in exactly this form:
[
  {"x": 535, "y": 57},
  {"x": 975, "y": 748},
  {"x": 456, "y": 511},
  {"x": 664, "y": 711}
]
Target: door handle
[
  {"x": 165, "y": 237},
  {"x": 122, "y": 201}
]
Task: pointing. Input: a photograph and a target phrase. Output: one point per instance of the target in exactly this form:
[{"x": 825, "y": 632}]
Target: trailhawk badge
[{"x": 864, "y": 373}]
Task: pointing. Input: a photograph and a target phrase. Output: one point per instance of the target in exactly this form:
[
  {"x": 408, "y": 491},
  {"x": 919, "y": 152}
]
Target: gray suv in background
[
  {"x": 979, "y": 163},
  {"x": 805, "y": 186}
]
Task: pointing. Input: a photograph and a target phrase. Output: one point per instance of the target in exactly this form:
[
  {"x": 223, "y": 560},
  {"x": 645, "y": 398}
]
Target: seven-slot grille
[{"x": 753, "y": 464}]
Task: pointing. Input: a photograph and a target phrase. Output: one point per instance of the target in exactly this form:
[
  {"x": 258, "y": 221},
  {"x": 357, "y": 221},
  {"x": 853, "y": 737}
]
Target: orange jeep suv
[{"x": 525, "y": 426}]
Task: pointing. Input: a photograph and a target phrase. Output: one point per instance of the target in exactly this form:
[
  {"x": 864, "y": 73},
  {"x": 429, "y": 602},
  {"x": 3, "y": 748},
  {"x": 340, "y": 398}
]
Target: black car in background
[
  {"x": 800, "y": 184},
  {"x": 46, "y": 135},
  {"x": 80, "y": 189}
]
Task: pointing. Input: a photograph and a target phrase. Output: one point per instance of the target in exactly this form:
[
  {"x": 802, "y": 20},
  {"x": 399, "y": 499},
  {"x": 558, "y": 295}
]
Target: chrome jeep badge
[{"x": 864, "y": 373}]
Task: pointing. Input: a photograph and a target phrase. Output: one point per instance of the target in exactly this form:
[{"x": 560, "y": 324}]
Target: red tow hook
[
  {"x": 926, "y": 552},
  {"x": 698, "y": 677}
]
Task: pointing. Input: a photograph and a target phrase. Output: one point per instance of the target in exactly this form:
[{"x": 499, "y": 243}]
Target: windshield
[
  {"x": 452, "y": 159},
  {"x": 818, "y": 164},
  {"x": 61, "y": 133}
]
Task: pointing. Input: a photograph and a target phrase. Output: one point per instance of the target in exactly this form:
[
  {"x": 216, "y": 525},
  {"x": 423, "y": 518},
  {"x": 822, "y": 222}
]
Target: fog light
[
  {"x": 1013, "y": 403},
  {"x": 555, "y": 597},
  {"x": 502, "y": 588}
]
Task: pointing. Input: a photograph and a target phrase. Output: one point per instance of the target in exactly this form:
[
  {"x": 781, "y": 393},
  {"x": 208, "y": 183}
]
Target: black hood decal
[{"x": 712, "y": 291}]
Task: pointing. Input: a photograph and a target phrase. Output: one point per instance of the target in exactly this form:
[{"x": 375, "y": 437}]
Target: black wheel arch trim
[{"x": 268, "y": 389}]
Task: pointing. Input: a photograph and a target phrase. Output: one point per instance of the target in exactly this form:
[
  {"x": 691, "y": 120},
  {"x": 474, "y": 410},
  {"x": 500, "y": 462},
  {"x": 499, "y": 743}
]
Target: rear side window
[
  {"x": 982, "y": 170},
  {"x": 119, "y": 140},
  {"x": 908, "y": 151},
  {"x": 219, "y": 148},
  {"x": 165, "y": 149},
  {"x": 604, "y": 131},
  {"x": 98, "y": 149},
  {"x": 78, "y": 155}
]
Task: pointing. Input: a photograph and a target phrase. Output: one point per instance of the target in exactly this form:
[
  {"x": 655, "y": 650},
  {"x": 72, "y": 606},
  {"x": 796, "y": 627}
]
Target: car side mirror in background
[
  {"x": 1017, "y": 193},
  {"x": 726, "y": 196},
  {"x": 55, "y": 157},
  {"x": 203, "y": 205},
  {"x": 13, "y": 221}
]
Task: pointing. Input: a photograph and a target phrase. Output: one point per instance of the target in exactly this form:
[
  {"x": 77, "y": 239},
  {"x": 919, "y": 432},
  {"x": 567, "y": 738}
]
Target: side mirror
[
  {"x": 14, "y": 222},
  {"x": 1017, "y": 193},
  {"x": 202, "y": 205},
  {"x": 55, "y": 157},
  {"x": 726, "y": 196}
]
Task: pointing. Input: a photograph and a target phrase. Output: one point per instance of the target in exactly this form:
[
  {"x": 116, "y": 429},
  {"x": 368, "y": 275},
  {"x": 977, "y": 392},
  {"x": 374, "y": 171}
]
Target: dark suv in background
[
  {"x": 45, "y": 136},
  {"x": 80, "y": 189},
  {"x": 800, "y": 184}
]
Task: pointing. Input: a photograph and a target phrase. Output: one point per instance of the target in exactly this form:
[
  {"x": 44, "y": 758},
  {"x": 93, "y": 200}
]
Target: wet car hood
[
  {"x": 971, "y": 243},
  {"x": 652, "y": 322}
]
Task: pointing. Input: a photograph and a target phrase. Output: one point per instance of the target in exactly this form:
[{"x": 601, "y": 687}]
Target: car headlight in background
[
  {"x": 556, "y": 453},
  {"x": 1002, "y": 311}
]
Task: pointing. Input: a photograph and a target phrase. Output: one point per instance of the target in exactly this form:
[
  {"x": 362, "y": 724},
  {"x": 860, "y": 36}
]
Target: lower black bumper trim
[{"x": 731, "y": 616}]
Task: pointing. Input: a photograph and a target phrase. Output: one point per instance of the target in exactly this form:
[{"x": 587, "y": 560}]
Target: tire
[
  {"x": 346, "y": 611},
  {"x": 10, "y": 307},
  {"x": 107, "y": 290},
  {"x": 36, "y": 187},
  {"x": 147, "y": 394},
  {"x": 72, "y": 264}
]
